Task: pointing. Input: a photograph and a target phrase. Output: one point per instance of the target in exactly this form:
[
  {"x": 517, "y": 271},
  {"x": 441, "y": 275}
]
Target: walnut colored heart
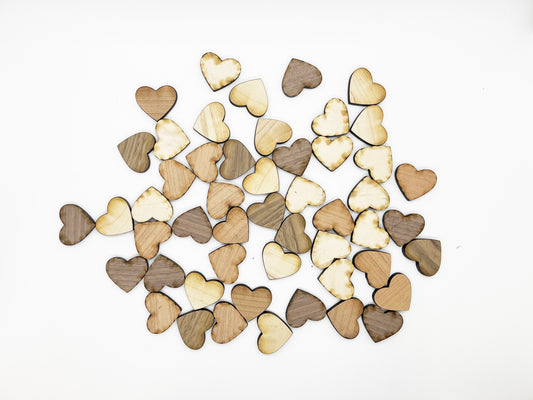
[
  {"x": 118, "y": 218},
  {"x": 171, "y": 139},
  {"x": 134, "y": 150},
  {"x": 293, "y": 159},
  {"x": 252, "y": 95},
  {"x": 367, "y": 126},
  {"x": 269, "y": 213},
  {"x": 291, "y": 234},
  {"x": 362, "y": 90},
  {"x": 332, "y": 153},
  {"x": 225, "y": 261},
  {"x": 298, "y": 76},
  {"x": 210, "y": 123},
  {"x": 156, "y": 103},
  {"x": 203, "y": 161},
  {"x": 334, "y": 121},
  {"x": 151, "y": 204},
  {"x": 148, "y": 237},
  {"x": 238, "y": 160},
  {"x": 178, "y": 179},
  {"x": 202, "y": 293},
  {"x": 274, "y": 333},
  {"x": 368, "y": 194},
  {"x": 344, "y": 315},
  {"x": 279, "y": 264},
  {"x": 426, "y": 253},
  {"x": 222, "y": 196},
  {"x": 380, "y": 324},
  {"x": 328, "y": 247},
  {"x": 367, "y": 232},
  {"x": 251, "y": 303},
  {"x": 336, "y": 279},
  {"x": 77, "y": 224},
  {"x": 303, "y": 192},
  {"x": 377, "y": 159},
  {"x": 396, "y": 296},
  {"x": 376, "y": 265},
  {"x": 219, "y": 73},
  {"x": 265, "y": 178},
  {"x": 270, "y": 132},
  {"x": 126, "y": 274},
  {"x": 302, "y": 307},
  {"x": 234, "y": 229},
  {"x": 163, "y": 272},
  {"x": 193, "y": 223},
  {"x": 193, "y": 326},
  {"x": 414, "y": 183},
  {"x": 402, "y": 229},
  {"x": 229, "y": 323},
  {"x": 163, "y": 312},
  {"x": 334, "y": 216}
]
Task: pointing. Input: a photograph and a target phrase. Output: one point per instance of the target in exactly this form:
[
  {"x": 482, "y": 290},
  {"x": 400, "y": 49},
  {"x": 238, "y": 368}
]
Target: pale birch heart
[
  {"x": 210, "y": 123},
  {"x": 118, "y": 218},
  {"x": 378, "y": 161},
  {"x": 367, "y": 126},
  {"x": 151, "y": 204},
  {"x": 336, "y": 279},
  {"x": 368, "y": 194},
  {"x": 251, "y": 94},
  {"x": 362, "y": 90},
  {"x": 219, "y": 73},
  {"x": 334, "y": 121},
  {"x": 332, "y": 153},
  {"x": 171, "y": 139},
  {"x": 265, "y": 178},
  {"x": 327, "y": 247},
  {"x": 303, "y": 192},
  {"x": 367, "y": 232},
  {"x": 274, "y": 333},
  {"x": 202, "y": 293},
  {"x": 279, "y": 264}
]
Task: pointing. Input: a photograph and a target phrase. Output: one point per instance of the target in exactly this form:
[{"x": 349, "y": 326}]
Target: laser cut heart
[
  {"x": 117, "y": 220},
  {"x": 380, "y": 324},
  {"x": 302, "y": 193},
  {"x": 219, "y": 73},
  {"x": 210, "y": 123},
  {"x": 368, "y": 194},
  {"x": 251, "y": 303},
  {"x": 222, "y": 196},
  {"x": 367, "y": 232},
  {"x": 77, "y": 224},
  {"x": 238, "y": 160},
  {"x": 343, "y": 316},
  {"x": 426, "y": 253},
  {"x": 265, "y": 178},
  {"x": 298, "y": 76},
  {"x": 279, "y": 264},
  {"x": 334, "y": 216},
  {"x": 362, "y": 90},
  {"x": 171, "y": 139},
  {"x": 193, "y": 223},
  {"x": 178, "y": 179},
  {"x": 269, "y": 213},
  {"x": 291, "y": 234},
  {"x": 148, "y": 237},
  {"x": 163, "y": 272},
  {"x": 151, "y": 204},
  {"x": 229, "y": 323},
  {"x": 202, "y": 293},
  {"x": 270, "y": 132},
  {"x": 367, "y": 126},
  {"x": 336, "y": 279},
  {"x": 293, "y": 159},
  {"x": 225, "y": 261},
  {"x": 252, "y": 95},
  {"x": 134, "y": 151},
  {"x": 334, "y": 121},
  {"x": 328, "y": 247},
  {"x": 302, "y": 307},
  {"x": 126, "y": 274},
  {"x": 376, "y": 265},
  {"x": 193, "y": 326},
  {"x": 274, "y": 333},
  {"x": 332, "y": 153},
  {"x": 203, "y": 161},
  {"x": 234, "y": 229},
  {"x": 396, "y": 296},
  {"x": 163, "y": 312},
  {"x": 156, "y": 103},
  {"x": 402, "y": 229},
  {"x": 414, "y": 183},
  {"x": 378, "y": 161}
]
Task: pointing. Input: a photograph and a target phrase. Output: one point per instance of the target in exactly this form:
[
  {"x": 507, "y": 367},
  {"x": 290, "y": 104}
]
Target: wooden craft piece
[
  {"x": 328, "y": 247},
  {"x": 274, "y": 333},
  {"x": 210, "y": 123},
  {"x": 117, "y": 220},
  {"x": 414, "y": 183},
  {"x": 269, "y": 213},
  {"x": 163, "y": 312},
  {"x": 380, "y": 324},
  {"x": 126, "y": 274},
  {"x": 293, "y": 159},
  {"x": 336, "y": 279},
  {"x": 251, "y": 303},
  {"x": 265, "y": 178},
  {"x": 252, "y": 95},
  {"x": 334, "y": 121},
  {"x": 291, "y": 234},
  {"x": 402, "y": 229},
  {"x": 362, "y": 90},
  {"x": 367, "y": 232},
  {"x": 178, "y": 179},
  {"x": 396, "y": 296},
  {"x": 344, "y": 316},
  {"x": 229, "y": 323},
  {"x": 426, "y": 253},
  {"x": 279, "y": 264},
  {"x": 193, "y": 326},
  {"x": 222, "y": 196},
  {"x": 270, "y": 132},
  {"x": 151, "y": 204},
  {"x": 134, "y": 150},
  {"x": 171, "y": 139},
  {"x": 303, "y": 192},
  {"x": 193, "y": 223},
  {"x": 332, "y": 153},
  {"x": 219, "y": 73},
  {"x": 298, "y": 76},
  {"x": 225, "y": 261},
  {"x": 334, "y": 216},
  {"x": 367, "y": 126},
  {"x": 368, "y": 194},
  {"x": 376, "y": 265},
  {"x": 148, "y": 237},
  {"x": 234, "y": 229},
  {"x": 203, "y": 161},
  {"x": 156, "y": 103},
  {"x": 304, "y": 306},
  {"x": 163, "y": 272},
  {"x": 238, "y": 160},
  {"x": 202, "y": 293},
  {"x": 77, "y": 224},
  {"x": 378, "y": 161}
]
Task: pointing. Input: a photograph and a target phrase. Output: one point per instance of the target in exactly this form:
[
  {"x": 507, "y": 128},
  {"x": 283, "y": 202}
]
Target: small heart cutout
[
  {"x": 219, "y": 73},
  {"x": 367, "y": 126},
  {"x": 402, "y": 229},
  {"x": 77, "y": 224},
  {"x": 302, "y": 307},
  {"x": 279, "y": 264},
  {"x": 293, "y": 159},
  {"x": 274, "y": 333},
  {"x": 210, "y": 123},
  {"x": 202, "y": 293},
  {"x": 193, "y": 223},
  {"x": 264, "y": 179},
  {"x": 234, "y": 229},
  {"x": 148, "y": 237},
  {"x": 328, "y": 247},
  {"x": 193, "y": 326},
  {"x": 334, "y": 121},
  {"x": 362, "y": 90},
  {"x": 378, "y": 161},
  {"x": 336, "y": 279},
  {"x": 229, "y": 323},
  {"x": 302, "y": 193},
  {"x": 134, "y": 150},
  {"x": 269, "y": 213},
  {"x": 298, "y": 76},
  {"x": 344, "y": 315},
  {"x": 252, "y": 95},
  {"x": 251, "y": 303},
  {"x": 163, "y": 272},
  {"x": 414, "y": 183},
  {"x": 380, "y": 324},
  {"x": 178, "y": 179},
  {"x": 117, "y": 220},
  {"x": 222, "y": 196},
  {"x": 238, "y": 160},
  {"x": 163, "y": 312},
  {"x": 367, "y": 232},
  {"x": 156, "y": 103},
  {"x": 396, "y": 296},
  {"x": 332, "y": 153},
  {"x": 171, "y": 139},
  {"x": 270, "y": 132},
  {"x": 225, "y": 262},
  {"x": 334, "y": 216},
  {"x": 126, "y": 274},
  {"x": 368, "y": 194},
  {"x": 203, "y": 161},
  {"x": 376, "y": 265},
  {"x": 426, "y": 253},
  {"x": 151, "y": 204},
  {"x": 291, "y": 234}
]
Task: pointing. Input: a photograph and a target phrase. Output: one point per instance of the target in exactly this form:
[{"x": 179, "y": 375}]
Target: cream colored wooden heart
[
  {"x": 368, "y": 194},
  {"x": 367, "y": 232},
  {"x": 171, "y": 139},
  {"x": 210, "y": 123},
  {"x": 332, "y": 153},
  {"x": 327, "y": 247},
  {"x": 151, "y": 204},
  {"x": 362, "y": 90},
  {"x": 336, "y": 279},
  {"x": 279, "y": 264},
  {"x": 265, "y": 178},
  {"x": 274, "y": 333},
  {"x": 270, "y": 132},
  {"x": 303, "y": 192},
  {"x": 219, "y": 73},
  {"x": 117, "y": 220},
  {"x": 334, "y": 121},
  {"x": 367, "y": 126},
  {"x": 377, "y": 159},
  {"x": 202, "y": 293},
  {"x": 251, "y": 94}
]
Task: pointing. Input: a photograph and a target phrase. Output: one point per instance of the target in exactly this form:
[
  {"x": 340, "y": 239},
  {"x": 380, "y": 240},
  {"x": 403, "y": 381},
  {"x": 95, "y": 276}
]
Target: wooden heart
[
  {"x": 148, "y": 237},
  {"x": 304, "y": 306},
  {"x": 336, "y": 279},
  {"x": 376, "y": 265},
  {"x": 328, "y": 247},
  {"x": 163, "y": 272},
  {"x": 210, "y": 123},
  {"x": 402, "y": 229},
  {"x": 126, "y": 274},
  {"x": 426, "y": 253},
  {"x": 238, "y": 160},
  {"x": 303, "y": 192},
  {"x": 117, "y": 220},
  {"x": 334, "y": 121},
  {"x": 368, "y": 194},
  {"x": 178, "y": 179},
  {"x": 156, "y": 103},
  {"x": 77, "y": 224},
  {"x": 203, "y": 161},
  {"x": 151, "y": 204},
  {"x": 367, "y": 126},
  {"x": 367, "y": 232},
  {"x": 362, "y": 90},
  {"x": 344, "y": 315},
  {"x": 193, "y": 223},
  {"x": 279, "y": 264},
  {"x": 222, "y": 196},
  {"x": 202, "y": 293},
  {"x": 265, "y": 178},
  {"x": 229, "y": 323},
  {"x": 414, "y": 183},
  {"x": 269, "y": 213},
  {"x": 234, "y": 229},
  {"x": 380, "y": 324},
  {"x": 396, "y": 296},
  {"x": 377, "y": 159},
  {"x": 334, "y": 216},
  {"x": 274, "y": 333},
  {"x": 252, "y": 95},
  {"x": 171, "y": 139},
  {"x": 298, "y": 76},
  {"x": 251, "y": 303},
  {"x": 193, "y": 326},
  {"x": 293, "y": 159},
  {"x": 270, "y": 132},
  {"x": 291, "y": 234},
  {"x": 134, "y": 150},
  {"x": 219, "y": 73},
  {"x": 225, "y": 261},
  {"x": 332, "y": 153},
  {"x": 163, "y": 312}
]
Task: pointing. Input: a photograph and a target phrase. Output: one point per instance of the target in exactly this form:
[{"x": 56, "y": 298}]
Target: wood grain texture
[
  {"x": 376, "y": 265},
  {"x": 291, "y": 234},
  {"x": 334, "y": 121},
  {"x": 252, "y": 95},
  {"x": 193, "y": 326},
  {"x": 368, "y": 128},
  {"x": 201, "y": 292},
  {"x": 203, "y": 161},
  {"x": 274, "y": 333},
  {"x": 210, "y": 123},
  {"x": 222, "y": 196},
  {"x": 279, "y": 264},
  {"x": 238, "y": 160},
  {"x": 402, "y": 229},
  {"x": 193, "y": 223},
  {"x": 414, "y": 183},
  {"x": 302, "y": 307},
  {"x": 156, "y": 103},
  {"x": 328, "y": 247},
  {"x": 380, "y": 324},
  {"x": 270, "y": 132},
  {"x": 251, "y": 303},
  {"x": 77, "y": 224},
  {"x": 336, "y": 279},
  {"x": 344, "y": 315},
  {"x": 334, "y": 216},
  {"x": 293, "y": 159},
  {"x": 269, "y": 213},
  {"x": 229, "y": 323},
  {"x": 332, "y": 153},
  {"x": 171, "y": 139},
  {"x": 264, "y": 179},
  {"x": 367, "y": 232},
  {"x": 178, "y": 179},
  {"x": 368, "y": 194},
  {"x": 219, "y": 73},
  {"x": 302, "y": 193},
  {"x": 163, "y": 312},
  {"x": 148, "y": 237},
  {"x": 396, "y": 296},
  {"x": 134, "y": 151},
  {"x": 126, "y": 274},
  {"x": 225, "y": 261},
  {"x": 298, "y": 76},
  {"x": 378, "y": 161},
  {"x": 362, "y": 90},
  {"x": 426, "y": 253},
  {"x": 151, "y": 204},
  {"x": 234, "y": 229},
  {"x": 117, "y": 220},
  {"x": 163, "y": 272}
]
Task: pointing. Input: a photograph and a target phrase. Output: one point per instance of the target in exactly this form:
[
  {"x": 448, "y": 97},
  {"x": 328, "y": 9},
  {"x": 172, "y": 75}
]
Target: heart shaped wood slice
[
  {"x": 117, "y": 220},
  {"x": 332, "y": 153},
  {"x": 156, "y": 103},
  {"x": 328, "y": 247},
  {"x": 222, "y": 196},
  {"x": 265, "y": 178},
  {"x": 302, "y": 307},
  {"x": 238, "y": 160},
  {"x": 293, "y": 159},
  {"x": 334, "y": 121},
  {"x": 274, "y": 333},
  {"x": 210, "y": 123},
  {"x": 269, "y": 213},
  {"x": 126, "y": 274},
  {"x": 368, "y": 194},
  {"x": 380, "y": 324},
  {"x": 378, "y": 161},
  {"x": 251, "y": 303},
  {"x": 193, "y": 223},
  {"x": 151, "y": 204},
  {"x": 334, "y": 216},
  {"x": 229, "y": 323},
  {"x": 291, "y": 234},
  {"x": 336, "y": 279},
  {"x": 203, "y": 161},
  {"x": 171, "y": 139},
  {"x": 163, "y": 312},
  {"x": 362, "y": 90},
  {"x": 414, "y": 183},
  {"x": 426, "y": 253},
  {"x": 376, "y": 265},
  {"x": 134, "y": 150},
  {"x": 148, "y": 237},
  {"x": 225, "y": 261},
  {"x": 396, "y": 296},
  {"x": 234, "y": 229},
  {"x": 219, "y": 73},
  {"x": 178, "y": 179},
  {"x": 193, "y": 326},
  {"x": 279, "y": 264},
  {"x": 367, "y": 126},
  {"x": 77, "y": 224},
  {"x": 344, "y": 315},
  {"x": 163, "y": 272},
  {"x": 367, "y": 232},
  {"x": 202, "y": 293},
  {"x": 302, "y": 193},
  {"x": 298, "y": 76},
  {"x": 402, "y": 229},
  {"x": 252, "y": 95},
  {"x": 270, "y": 132}
]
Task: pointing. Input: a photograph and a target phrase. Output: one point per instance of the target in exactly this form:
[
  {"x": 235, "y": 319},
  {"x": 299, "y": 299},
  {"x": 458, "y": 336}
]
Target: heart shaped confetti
[
  {"x": 336, "y": 279},
  {"x": 193, "y": 326},
  {"x": 291, "y": 234},
  {"x": 269, "y": 133},
  {"x": 252, "y": 95},
  {"x": 148, "y": 237},
  {"x": 229, "y": 323},
  {"x": 264, "y": 179},
  {"x": 302, "y": 193},
  {"x": 367, "y": 126},
  {"x": 126, "y": 274},
  {"x": 376, "y": 265},
  {"x": 334, "y": 121},
  {"x": 77, "y": 224},
  {"x": 156, "y": 103},
  {"x": 221, "y": 197},
  {"x": 293, "y": 159},
  {"x": 402, "y": 229},
  {"x": 368, "y": 194},
  {"x": 298, "y": 76},
  {"x": 202, "y": 293},
  {"x": 274, "y": 333},
  {"x": 238, "y": 160},
  {"x": 193, "y": 223},
  {"x": 279, "y": 264},
  {"x": 234, "y": 229},
  {"x": 163, "y": 312},
  {"x": 203, "y": 161},
  {"x": 251, "y": 303},
  {"x": 426, "y": 253},
  {"x": 269, "y": 213},
  {"x": 171, "y": 139},
  {"x": 178, "y": 179},
  {"x": 380, "y": 324},
  {"x": 117, "y": 220},
  {"x": 219, "y": 73},
  {"x": 151, "y": 204},
  {"x": 163, "y": 272},
  {"x": 210, "y": 123},
  {"x": 414, "y": 183},
  {"x": 134, "y": 150},
  {"x": 327, "y": 247},
  {"x": 378, "y": 161},
  {"x": 362, "y": 89},
  {"x": 344, "y": 315},
  {"x": 302, "y": 307},
  {"x": 367, "y": 232},
  {"x": 332, "y": 153},
  {"x": 334, "y": 216},
  {"x": 396, "y": 296},
  {"x": 225, "y": 261}
]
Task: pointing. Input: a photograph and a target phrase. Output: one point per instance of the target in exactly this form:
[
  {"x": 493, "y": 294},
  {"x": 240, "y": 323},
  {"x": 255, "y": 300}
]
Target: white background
[{"x": 458, "y": 75}]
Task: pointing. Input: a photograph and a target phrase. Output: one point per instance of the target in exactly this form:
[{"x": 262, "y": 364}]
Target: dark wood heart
[
  {"x": 299, "y": 75},
  {"x": 293, "y": 159},
  {"x": 77, "y": 224},
  {"x": 269, "y": 213},
  {"x": 344, "y": 315},
  {"x": 163, "y": 272},
  {"x": 426, "y": 253},
  {"x": 238, "y": 160},
  {"x": 304, "y": 306},
  {"x": 291, "y": 234},
  {"x": 193, "y": 223},
  {"x": 126, "y": 274},
  {"x": 402, "y": 229},
  {"x": 193, "y": 325},
  {"x": 134, "y": 150},
  {"x": 380, "y": 324}
]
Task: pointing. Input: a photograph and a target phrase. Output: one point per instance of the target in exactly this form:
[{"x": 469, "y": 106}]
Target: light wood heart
[
  {"x": 193, "y": 223},
  {"x": 378, "y": 161},
  {"x": 126, "y": 274},
  {"x": 426, "y": 253},
  {"x": 265, "y": 178},
  {"x": 219, "y": 73},
  {"x": 380, "y": 324},
  {"x": 221, "y": 197},
  {"x": 270, "y": 132},
  {"x": 234, "y": 229},
  {"x": 134, "y": 150},
  {"x": 202, "y": 293},
  {"x": 225, "y": 261},
  {"x": 178, "y": 179},
  {"x": 171, "y": 139},
  {"x": 302, "y": 307},
  {"x": 396, "y": 296},
  {"x": 279, "y": 264},
  {"x": 251, "y": 303},
  {"x": 332, "y": 153},
  {"x": 293, "y": 159},
  {"x": 274, "y": 333},
  {"x": 344, "y": 315},
  {"x": 151, "y": 204},
  {"x": 403, "y": 228},
  {"x": 148, "y": 237},
  {"x": 299, "y": 75},
  {"x": 193, "y": 326},
  {"x": 238, "y": 160},
  {"x": 77, "y": 224},
  {"x": 156, "y": 103},
  {"x": 362, "y": 89},
  {"x": 163, "y": 312},
  {"x": 414, "y": 183},
  {"x": 163, "y": 272},
  {"x": 269, "y": 213},
  {"x": 336, "y": 279},
  {"x": 291, "y": 234},
  {"x": 368, "y": 194},
  {"x": 117, "y": 220},
  {"x": 303, "y": 192},
  {"x": 328, "y": 247},
  {"x": 367, "y": 126},
  {"x": 229, "y": 323},
  {"x": 252, "y": 95},
  {"x": 203, "y": 161},
  {"x": 334, "y": 121},
  {"x": 376, "y": 265},
  {"x": 334, "y": 216},
  {"x": 367, "y": 232},
  {"x": 210, "y": 123}
]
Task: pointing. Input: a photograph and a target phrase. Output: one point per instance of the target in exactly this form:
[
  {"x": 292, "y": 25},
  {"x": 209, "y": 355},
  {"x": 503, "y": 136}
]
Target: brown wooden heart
[
  {"x": 291, "y": 234},
  {"x": 203, "y": 161},
  {"x": 269, "y": 213},
  {"x": 414, "y": 183},
  {"x": 77, "y": 224},
  {"x": 380, "y": 324},
  {"x": 376, "y": 265},
  {"x": 298, "y": 76},
  {"x": 335, "y": 216},
  {"x": 178, "y": 179},
  {"x": 251, "y": 303},
  {"x": 293, "y": 159},
  {"x": 402, "y": 229},
  {"x": 222, "y": 196},
  {"x": 426, "y": 253},
  {"x": 396, "y": 296},
  {"x": 304, "y": 306},
  {"x": 149, "y": 235},
  {"x": 193, "y": 325},
  {"x": 193, "y": 223},
  {"x": 134, "y": 150},
  {"x": 156, "y": 103},
  {"x": 234, "y": 229},
  {"x": 225, "y": 261},
  {"x": 126, "y": 274},
  {"x": 229, "y": 323},
  {"x": 238, "y": 160},
  {"x": 163, "y": 312},
  {"x": 344, "y": 315},
  {"x": 163, "y": 272}
]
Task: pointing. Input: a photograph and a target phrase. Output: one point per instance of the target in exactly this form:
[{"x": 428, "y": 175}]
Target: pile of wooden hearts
[{"x": 148, "y": 216}]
